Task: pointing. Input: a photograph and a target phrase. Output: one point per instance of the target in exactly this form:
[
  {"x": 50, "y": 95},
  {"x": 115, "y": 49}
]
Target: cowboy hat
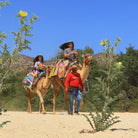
[
  {"x": 74, "y": 66},
  {"x": 65, "y": 45}
]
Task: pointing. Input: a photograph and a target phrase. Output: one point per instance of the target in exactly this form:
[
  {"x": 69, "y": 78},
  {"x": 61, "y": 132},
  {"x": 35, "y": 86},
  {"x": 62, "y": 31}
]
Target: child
[{"x": 39, "y": 69}]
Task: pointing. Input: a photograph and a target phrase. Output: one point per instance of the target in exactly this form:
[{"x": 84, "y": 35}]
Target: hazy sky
[{"x": 86, "y": 22}]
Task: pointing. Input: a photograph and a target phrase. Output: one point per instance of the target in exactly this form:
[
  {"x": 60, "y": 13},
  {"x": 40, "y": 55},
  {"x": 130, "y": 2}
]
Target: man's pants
[{"x": 72, "y": 95}]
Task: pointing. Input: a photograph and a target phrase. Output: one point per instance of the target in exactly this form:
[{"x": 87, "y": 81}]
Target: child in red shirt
[{"x": 73, "y": 81}]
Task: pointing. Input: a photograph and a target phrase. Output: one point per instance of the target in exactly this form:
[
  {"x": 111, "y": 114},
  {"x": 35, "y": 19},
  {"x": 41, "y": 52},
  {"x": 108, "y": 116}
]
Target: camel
[
  {"x": 57, "y": 82},
  {"x": 40, "y": 89}
]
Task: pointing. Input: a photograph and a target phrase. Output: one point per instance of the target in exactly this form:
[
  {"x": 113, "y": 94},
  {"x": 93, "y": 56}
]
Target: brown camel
[
  {"x": 57, "y": 83},
  {"x": 40, "y": 89}
]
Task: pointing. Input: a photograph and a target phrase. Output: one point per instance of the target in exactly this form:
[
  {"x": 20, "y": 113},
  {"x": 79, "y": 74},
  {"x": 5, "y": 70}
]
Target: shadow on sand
[{"x": 124, "y": 129}]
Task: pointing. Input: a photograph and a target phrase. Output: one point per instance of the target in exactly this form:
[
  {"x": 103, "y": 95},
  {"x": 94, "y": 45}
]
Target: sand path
[{"x": 62, "y": 125}]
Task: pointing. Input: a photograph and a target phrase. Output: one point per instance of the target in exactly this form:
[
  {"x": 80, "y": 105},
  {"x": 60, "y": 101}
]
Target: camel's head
[
  {"x": 88, "y": 59},
  {"x": 49, "y": 68}
]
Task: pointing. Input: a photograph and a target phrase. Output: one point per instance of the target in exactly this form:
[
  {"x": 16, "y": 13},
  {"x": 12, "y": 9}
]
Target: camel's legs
[
  {"x": 43, "y": 92},
  {"x": 41, "y": 102},
  {"x": 65, "y": 100},
  {"x": 29, "y": 105},
  {"x": 81, "y": 100},
  {"x": 30, "y": 96},
  {"x": 40, "y": 107},
  {"x": 56, "y": 88}
]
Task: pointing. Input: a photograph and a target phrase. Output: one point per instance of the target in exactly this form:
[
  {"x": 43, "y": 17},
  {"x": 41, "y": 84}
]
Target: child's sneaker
[{"x": 32, "y": 87}]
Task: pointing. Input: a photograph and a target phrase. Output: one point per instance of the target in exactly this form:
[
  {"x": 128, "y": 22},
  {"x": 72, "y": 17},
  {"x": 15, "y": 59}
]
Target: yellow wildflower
[
  {"x": 23, "y": 13},
  {"x": 102, "y": 43},
  {"x": 119, "y": 64}
]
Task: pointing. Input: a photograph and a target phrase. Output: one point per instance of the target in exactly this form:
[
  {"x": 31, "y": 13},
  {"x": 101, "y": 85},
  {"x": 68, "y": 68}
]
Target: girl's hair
[{"x": 37, "y": 59}]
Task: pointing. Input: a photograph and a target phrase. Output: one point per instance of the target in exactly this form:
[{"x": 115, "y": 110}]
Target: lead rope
[{"x": 85, "y": 92}]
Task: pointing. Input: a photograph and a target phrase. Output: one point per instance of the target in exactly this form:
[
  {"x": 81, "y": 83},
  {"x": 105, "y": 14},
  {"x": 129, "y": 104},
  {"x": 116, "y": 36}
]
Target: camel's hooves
[
  {"x": 54, "y": 113},
  {"x": 43, "y": 112}
]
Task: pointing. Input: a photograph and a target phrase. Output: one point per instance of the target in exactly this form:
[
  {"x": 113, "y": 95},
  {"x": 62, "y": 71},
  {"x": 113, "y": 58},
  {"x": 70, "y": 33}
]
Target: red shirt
[{"x": 73, "y": 80}]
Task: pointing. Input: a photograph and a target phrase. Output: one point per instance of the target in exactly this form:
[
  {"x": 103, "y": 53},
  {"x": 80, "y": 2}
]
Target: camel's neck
[
  {"x": 84, "y": 72},
  {"x": 47, "y": 81}
]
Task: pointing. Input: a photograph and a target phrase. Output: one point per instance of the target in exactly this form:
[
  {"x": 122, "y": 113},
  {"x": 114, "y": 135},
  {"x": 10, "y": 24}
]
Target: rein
[{"x": 85, "y": 92}]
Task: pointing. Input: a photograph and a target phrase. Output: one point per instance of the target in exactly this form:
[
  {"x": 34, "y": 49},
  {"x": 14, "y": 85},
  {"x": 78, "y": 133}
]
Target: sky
[{"x": 85, "y": 22}]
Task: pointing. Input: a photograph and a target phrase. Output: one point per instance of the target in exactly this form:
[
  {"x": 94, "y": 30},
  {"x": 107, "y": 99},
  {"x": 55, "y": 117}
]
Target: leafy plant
[
  {"x": 7, "y": 59},
  {"x": 5, "y": 122},
  {"x": 2, "y": 4},
  {"x": 106, "y": 88},
  {"x": 101, "y": 121},
  {"x": 21, "y": 43},
  {"x": 130, "y": 62}
]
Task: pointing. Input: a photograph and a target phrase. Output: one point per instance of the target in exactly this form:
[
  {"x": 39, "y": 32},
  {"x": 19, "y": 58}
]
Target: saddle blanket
[
  {"x": 61, "y": 67},
  {"x": 58, "y": 70},
  {"x": 28, "y": 79}
]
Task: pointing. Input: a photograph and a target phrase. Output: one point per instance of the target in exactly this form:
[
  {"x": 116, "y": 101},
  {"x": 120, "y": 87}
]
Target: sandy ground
[{"x": 62, "y": 125}]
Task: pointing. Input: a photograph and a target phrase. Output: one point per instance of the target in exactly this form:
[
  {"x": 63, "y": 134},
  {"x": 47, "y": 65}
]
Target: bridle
[{"x": 87, "y": 60}]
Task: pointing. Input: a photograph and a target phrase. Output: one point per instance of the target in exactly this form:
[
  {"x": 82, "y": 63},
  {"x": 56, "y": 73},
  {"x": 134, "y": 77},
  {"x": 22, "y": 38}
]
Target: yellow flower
[
  {"x": 23, "y": 13},
  {"x": 103, "y": 43},
  {"x": 119, "y": 64}
]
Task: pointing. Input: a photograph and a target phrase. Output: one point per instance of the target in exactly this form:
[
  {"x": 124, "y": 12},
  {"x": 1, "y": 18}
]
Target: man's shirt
[{"x": 73, "y": 80}]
